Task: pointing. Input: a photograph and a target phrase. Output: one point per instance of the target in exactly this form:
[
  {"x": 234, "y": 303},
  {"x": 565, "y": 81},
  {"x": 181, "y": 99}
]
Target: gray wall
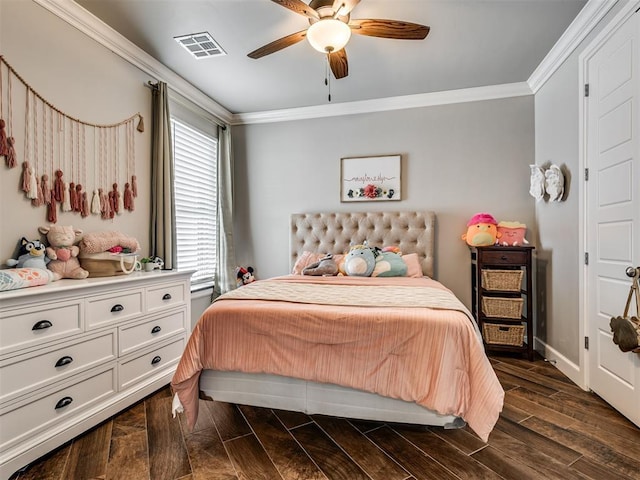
[
  {"x": 456, "y": 159},
  {"x": 560, "y": 257}
]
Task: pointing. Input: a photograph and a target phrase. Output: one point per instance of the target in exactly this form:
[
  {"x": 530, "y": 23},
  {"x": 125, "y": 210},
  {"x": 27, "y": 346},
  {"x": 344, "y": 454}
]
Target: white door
[{"x": 613, "y": 211}]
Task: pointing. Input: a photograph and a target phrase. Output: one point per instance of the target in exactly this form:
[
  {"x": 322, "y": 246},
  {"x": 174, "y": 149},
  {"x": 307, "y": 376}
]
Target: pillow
[
  {"x": 414, "y": 269},
  {"x": 14, "y": 278},
  {"x": 308, "y": 258},
  {"x": 389, "y": 264}
]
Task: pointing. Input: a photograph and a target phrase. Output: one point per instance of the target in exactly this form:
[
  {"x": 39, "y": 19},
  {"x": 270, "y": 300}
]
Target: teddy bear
[
  {"x": 63, "y": 252},
  {"x": 31, "y": 254}
]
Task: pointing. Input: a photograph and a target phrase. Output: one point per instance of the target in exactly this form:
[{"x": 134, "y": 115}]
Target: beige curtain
[
  {"x": 163, "y": 215},
  {"x": 225, "y": 254}
]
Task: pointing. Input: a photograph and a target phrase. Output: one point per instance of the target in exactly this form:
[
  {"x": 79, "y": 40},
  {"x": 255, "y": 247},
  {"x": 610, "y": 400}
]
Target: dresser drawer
[
  {"x": 504, "y": 258},
  {"x": 163, "y": 296},
  {"x": 114, "y": 307},
  {"x": 40, "y": 413},
  {"x": 29, "y": 326},
  {"x": 29, "y": 372},
  {"x": 136, "y": 369},
  {"x": 134, "y": 337}
]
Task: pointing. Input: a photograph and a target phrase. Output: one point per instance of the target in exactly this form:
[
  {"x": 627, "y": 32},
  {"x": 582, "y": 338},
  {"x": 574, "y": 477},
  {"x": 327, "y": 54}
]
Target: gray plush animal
[{"x": 326, "y": 266}]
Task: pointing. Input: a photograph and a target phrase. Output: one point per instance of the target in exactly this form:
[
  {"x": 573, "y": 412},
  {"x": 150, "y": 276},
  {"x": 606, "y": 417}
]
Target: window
[{"x": 195, "y": 164}]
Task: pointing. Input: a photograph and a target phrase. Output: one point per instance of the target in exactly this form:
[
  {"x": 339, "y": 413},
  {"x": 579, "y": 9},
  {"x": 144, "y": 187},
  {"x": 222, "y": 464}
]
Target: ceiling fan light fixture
[{"x": 328, "y": 35}]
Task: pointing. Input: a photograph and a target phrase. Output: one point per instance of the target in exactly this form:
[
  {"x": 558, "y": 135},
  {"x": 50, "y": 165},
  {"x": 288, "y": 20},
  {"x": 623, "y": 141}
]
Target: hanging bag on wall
[{"x": 626, "y": 329}]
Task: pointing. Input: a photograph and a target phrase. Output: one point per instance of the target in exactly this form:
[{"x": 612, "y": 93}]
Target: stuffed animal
[
  {"x": 63, "y": 251},
  {"x": 31, "y": 254},
  {"x": 326, "y": 266},
  {"x": 389, "y": 264},
  {"x": 245, "y": 276},
  {"x": 512, "y": 234},
  {"x": 361, "y": 260},
  {"x": 481, "y": 230}
]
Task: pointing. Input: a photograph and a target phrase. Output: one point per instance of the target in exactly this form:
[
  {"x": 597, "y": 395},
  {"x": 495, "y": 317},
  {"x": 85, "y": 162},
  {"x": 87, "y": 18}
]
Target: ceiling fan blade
[
  {"x": 345, "y": 6},
  {"x": 375, "y": 27},
  {"x": 279, "y": 44},
  {"x": 300, "y": 7},
  {"x": 338, "y": 64}
]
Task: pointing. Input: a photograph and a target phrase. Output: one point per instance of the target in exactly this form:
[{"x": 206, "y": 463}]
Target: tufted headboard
[{"x": 413, "y": 232}]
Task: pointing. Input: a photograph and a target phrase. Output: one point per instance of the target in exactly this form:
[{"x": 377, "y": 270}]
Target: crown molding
[
  {"x": 93, "y": 27},
  {"x": 582, "y": 25},
  {"x": 385, "y": 104}
]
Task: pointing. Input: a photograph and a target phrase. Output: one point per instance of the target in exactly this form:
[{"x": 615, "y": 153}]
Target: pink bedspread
[{"x": 429, "y": 352}]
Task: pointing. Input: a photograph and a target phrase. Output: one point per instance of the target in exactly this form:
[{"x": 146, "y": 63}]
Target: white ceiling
[{"x": 472, "y": 43}]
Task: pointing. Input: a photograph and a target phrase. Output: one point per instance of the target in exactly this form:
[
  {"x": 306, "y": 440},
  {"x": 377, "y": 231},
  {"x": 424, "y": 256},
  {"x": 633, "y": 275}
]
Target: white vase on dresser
[{"x": 75, "y": 352}]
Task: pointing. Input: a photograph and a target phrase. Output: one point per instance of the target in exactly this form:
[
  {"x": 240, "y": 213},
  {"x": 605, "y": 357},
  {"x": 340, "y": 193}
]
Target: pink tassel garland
[
  {"x": 58, "y": 186},
  {"x": 4, "y": 147},
  {"x": 26, "y": 178},
  {"x": 10, "y": 159},
  {"x": 52, "y": 214}
]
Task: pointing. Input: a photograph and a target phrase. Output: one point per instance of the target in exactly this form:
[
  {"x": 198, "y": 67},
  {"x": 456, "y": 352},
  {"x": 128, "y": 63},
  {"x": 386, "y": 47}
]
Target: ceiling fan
[{"x": 331, "y": 27}]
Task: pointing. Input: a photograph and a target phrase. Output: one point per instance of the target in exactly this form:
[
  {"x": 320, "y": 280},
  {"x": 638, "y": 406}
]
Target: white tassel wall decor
[
  {"x": 95, "y": 203},
  {"x": 66, "y": 201},
  {"x": 33, "y": 184}
]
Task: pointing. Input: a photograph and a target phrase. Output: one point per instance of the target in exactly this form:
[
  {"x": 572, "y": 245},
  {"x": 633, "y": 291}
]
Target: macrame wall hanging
[{"x": 58, "y": 151}]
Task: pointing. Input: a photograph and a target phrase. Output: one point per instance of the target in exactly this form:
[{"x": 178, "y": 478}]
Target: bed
[{"x": 399, "y": 349}]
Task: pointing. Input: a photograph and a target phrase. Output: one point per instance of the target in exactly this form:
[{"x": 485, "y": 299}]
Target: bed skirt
[{"x": 285, "y": 393}]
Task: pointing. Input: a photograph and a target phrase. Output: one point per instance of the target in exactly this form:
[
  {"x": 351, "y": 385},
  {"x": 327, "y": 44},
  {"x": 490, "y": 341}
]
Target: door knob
[{"x": 633, "y": 272}]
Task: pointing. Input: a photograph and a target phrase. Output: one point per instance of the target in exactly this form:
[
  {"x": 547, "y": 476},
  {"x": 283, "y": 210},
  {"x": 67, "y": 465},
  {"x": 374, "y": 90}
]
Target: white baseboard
[{"x": 562, "y": 363}]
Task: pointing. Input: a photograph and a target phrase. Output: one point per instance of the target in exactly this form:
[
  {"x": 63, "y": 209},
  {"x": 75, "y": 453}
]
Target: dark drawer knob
[
  {"x": 62, "y": 361},
  {"x": 156, "y": 329},
  {"x": 155, "y": 360},
  {"x": 166, "y": 296},
  {"x": 117, "y": 308},
  {"x": 64, "y": 402},
  {"x": 504, "y": 258},
  {"x": 42, "y": 325}
]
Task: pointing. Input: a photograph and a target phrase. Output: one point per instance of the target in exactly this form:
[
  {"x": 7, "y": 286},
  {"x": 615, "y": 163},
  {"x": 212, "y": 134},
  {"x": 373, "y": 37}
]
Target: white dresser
[{"x": 75, "y": 352}]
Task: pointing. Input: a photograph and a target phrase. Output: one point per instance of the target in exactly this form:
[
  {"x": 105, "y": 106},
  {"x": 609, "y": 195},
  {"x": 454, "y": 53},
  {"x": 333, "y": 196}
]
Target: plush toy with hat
[
  {"x": 63, "y": 251},
  {"x": 482, "y": 230},
  {"x": 31, "y": 254},
  {"x": 244, "y": 275}
]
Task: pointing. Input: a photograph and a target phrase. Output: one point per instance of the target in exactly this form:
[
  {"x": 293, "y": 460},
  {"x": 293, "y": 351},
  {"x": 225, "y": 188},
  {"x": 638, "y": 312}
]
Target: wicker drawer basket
[
  {"x": 504, "y": 280},
  {"x": 497, "y": 334},
  {"x": 499, "y": 307}
]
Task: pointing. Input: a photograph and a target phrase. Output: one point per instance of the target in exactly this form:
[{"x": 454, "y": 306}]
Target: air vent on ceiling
[{"x": 200, "y": 45}]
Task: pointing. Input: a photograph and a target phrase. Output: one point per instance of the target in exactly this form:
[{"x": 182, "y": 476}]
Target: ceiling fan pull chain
[{"x": 327, "y": 77}]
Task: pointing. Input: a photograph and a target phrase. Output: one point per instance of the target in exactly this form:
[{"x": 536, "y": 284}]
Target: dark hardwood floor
[{"x": 549, "y": 429}]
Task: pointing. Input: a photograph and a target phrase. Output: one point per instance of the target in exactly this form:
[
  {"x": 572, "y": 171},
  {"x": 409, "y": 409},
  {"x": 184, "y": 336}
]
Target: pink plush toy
[
  {"x": 63, "y": 252},
  {"x": 481, "y": 230},
  {"x": 512, "y": 234}
]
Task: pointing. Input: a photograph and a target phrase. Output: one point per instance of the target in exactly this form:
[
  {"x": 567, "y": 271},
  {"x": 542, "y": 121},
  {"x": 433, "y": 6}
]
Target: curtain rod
[{"x": 154, "y": 87}]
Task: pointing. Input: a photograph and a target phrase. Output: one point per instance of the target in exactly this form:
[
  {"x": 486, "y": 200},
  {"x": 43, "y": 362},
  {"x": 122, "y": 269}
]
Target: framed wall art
[{"x": 367, "y": 179}]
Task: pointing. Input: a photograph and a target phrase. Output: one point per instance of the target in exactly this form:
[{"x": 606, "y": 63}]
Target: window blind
[{"x": 195, "y": 170}]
